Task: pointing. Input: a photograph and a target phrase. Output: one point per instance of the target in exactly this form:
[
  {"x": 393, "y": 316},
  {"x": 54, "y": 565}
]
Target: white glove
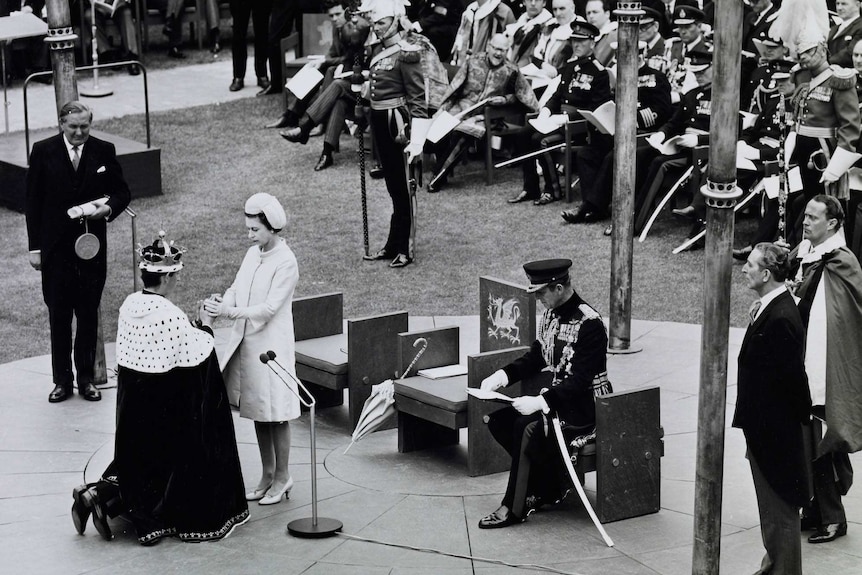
[
  {"x": 839, "y": 163},
  {"x": 529, "y": 404},
  {"x": 495, "y": 381},
  {"x": 687, "y": 141},
  {"x": 544, "y": 113},
  {"x": 656, "y": 139},
  {"x": 417, "y": 27},
  {"x": 418, "y": 131},
  {"x": 743, "y": 150}
]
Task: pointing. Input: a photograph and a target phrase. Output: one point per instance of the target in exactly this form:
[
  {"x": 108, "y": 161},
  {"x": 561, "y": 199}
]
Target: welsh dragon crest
[{"x": 503, "y": 315}]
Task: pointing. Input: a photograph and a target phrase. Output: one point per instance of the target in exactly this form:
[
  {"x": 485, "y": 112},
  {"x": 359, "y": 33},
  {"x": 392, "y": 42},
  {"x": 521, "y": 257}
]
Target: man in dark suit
[
  {"x": 773, "y": 406},
  {"x": 67, "y": 170}
]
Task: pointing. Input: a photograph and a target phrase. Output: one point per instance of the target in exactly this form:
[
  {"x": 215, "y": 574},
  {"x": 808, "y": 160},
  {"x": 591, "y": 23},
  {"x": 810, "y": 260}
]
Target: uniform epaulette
[
  {"x": 410, "y": 53},
  {"x": 842, "y": 78},
  {"x": 588, "y": 312}
]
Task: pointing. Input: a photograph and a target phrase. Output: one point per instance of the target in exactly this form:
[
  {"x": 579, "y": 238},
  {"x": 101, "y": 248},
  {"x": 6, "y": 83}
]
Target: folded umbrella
[{"x": 380, "y": 405}]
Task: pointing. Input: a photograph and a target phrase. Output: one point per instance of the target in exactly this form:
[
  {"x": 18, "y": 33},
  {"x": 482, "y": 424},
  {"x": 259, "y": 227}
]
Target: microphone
[{"x": 264, "y": 357}]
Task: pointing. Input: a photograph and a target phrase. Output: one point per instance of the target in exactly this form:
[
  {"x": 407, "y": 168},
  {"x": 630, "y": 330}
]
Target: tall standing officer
[
  {"x": 398, "y": 108},
  {"x": 66, "y": 170}
]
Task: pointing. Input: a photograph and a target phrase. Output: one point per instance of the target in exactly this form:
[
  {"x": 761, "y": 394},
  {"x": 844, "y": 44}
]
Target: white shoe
[{"x": 276, "y": 497}]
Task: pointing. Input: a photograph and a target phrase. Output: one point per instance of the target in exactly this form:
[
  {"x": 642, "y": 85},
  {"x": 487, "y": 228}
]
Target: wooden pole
[
  {"x": 721, "y": 194},
  {"x": 628, "y": 15},
  {"x": 61, "y": 41}
]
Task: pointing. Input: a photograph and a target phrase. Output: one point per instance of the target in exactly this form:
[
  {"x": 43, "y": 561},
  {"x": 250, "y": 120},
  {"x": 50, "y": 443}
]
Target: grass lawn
[{"x": 214, "y": 157}]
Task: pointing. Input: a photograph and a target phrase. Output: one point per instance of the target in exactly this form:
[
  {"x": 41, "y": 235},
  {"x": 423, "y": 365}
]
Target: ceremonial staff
[
  {"x": 786, "y": 119},
  {"x": 356, "y": 81}
]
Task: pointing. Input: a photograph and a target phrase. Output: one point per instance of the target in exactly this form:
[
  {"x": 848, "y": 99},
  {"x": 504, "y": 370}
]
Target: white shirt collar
[
  {"x": 808, "y": 253},
  {"x": 767, "y": 299}
]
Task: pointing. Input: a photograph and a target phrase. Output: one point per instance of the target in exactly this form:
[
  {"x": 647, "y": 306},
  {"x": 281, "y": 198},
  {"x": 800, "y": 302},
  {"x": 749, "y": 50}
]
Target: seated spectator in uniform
[
  {"x": 348, "y": 40},
  {"x": 176, "y": 469},
  {"x": 479, "y": 22},
  {"x": 688, "y": 22},
  {"x": 599, "y": 15},
  {"x": 691, "y": 123},
  {"x": 489, "y": 76},
  {"x": 438, "y": 21},
  {"x": 524, "y": 33},
  {"x": 755, "y": 26},
  {"x": 553, "y": 48},
  {"x": 843, "y": 37},
  {"x": 595, "y": 165},
  {"x": 770, "y": 50},
  {"x": 584, "y": 85},
  {"x": 122, "y": 18},
  {"x": 648, "y": 31}
]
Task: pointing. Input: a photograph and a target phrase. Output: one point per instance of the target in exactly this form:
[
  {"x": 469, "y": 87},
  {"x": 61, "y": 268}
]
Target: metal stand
[
  {"x": 313, "y": 527},
  {"x": 96, "y": 91}
]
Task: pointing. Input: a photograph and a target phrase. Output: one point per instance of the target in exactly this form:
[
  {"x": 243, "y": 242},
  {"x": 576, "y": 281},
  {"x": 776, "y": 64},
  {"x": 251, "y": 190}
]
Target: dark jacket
[
  {"x": 773, "y": 402},
  {"x": 53, "y": 186}
]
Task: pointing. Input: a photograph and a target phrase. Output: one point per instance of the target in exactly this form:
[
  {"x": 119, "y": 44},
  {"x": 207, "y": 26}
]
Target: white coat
[{"x": 260, "y": 302}]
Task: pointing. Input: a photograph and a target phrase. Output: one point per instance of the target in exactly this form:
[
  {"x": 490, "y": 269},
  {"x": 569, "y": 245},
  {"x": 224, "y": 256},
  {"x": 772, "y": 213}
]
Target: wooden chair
[
  {"x": 500, "y": 121},
  {"x": 572, "y": 129}
]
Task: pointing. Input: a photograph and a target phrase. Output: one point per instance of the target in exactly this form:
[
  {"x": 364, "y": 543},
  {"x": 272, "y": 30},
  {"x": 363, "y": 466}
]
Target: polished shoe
[
  {"x": 89, "y": 391},
  {"x": 271, "y": 89},
  {"x": 608, "y": 231},
  {"x": 257, "y": 494},
  {"x": 499, "y": 519},
  {"x": 295, "y": 135},
  {"x": 400, "y": 261},
  {"x": 827, "y": 533},
  {"x": 574, "y": 216},
  {"x": 276, "y": 497},
  {"x": 324, "y": 162},
  {"x": 263, "y": 82},
  {"x": 686, "y": 212},
  {"x": 60, "y": 393},
  {"x": 380, "y": 255},
  {"x": 523, "y": 196},
  {"x": 236, "y": 85},
  {"x": 545, "y": 199},
  {"x": 100, "y": 517},
  {"x": 742, "y": 255},
  {"x": 82, "y": 506},
  {"x": 176, "y": 54},
  {"x": 215, "y": 48},
  {"x": 376, "y": 172},
  {"x": 133, "y": 69}
]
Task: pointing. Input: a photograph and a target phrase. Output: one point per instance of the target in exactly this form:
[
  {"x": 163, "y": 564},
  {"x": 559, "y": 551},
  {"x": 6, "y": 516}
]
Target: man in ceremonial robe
[
  {"x": 479, "y": 22},
  {"x": 524, "y": 33},
  {"x": 487, "y": 77},
  {"x": 176, "y": 467},
  {"x": 572, "y": 346},
  {"x": 773, "y": 407},
  {"x": 829, "y": 288}
]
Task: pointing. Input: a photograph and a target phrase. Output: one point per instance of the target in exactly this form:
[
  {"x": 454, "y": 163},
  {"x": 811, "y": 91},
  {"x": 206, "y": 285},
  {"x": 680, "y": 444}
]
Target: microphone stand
[{"x": 313, "y": 527}]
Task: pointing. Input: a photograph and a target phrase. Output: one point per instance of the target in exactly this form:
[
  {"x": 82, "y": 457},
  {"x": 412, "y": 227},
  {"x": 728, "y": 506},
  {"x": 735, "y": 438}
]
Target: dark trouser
[
  {"x": 811, "y": 186},
  {"x": 651, "y": 170},
  {"x": 73, "y": 286},
  {"x": 240, "y": 11},
  {"x": 391, "y": 155},
  {"x": 595, "y": 164},
  {"x": 172, "y": 13},
  {"x": 779, "y": 527},
  {"x": 535, "y": 470},
  {"x": 853, "y": 223},
  {"x": 530, "y": 141},
  {"x": 333, "y": 105},
  {"x": 285, "y": 16}
]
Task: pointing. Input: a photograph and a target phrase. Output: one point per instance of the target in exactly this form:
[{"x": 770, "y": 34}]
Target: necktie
[
  {"x": 76, "y": 157},
  {"x": 752, "y": 312}
]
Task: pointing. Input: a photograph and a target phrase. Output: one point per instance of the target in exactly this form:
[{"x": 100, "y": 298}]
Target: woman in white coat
[{"x": 260, "y": 303}]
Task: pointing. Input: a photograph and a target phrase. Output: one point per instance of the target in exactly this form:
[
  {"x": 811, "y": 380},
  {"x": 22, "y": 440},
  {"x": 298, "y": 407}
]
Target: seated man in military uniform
[{"x": 572, "y": 345}]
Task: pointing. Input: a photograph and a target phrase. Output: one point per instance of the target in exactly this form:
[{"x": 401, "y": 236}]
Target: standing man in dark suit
[
  {"x": 67, "y": 170},
  {"x": 773, "y": 406}
]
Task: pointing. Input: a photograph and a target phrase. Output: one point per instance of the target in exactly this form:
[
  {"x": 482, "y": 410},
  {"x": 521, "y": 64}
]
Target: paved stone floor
[{"x": 389, "y": 503}]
